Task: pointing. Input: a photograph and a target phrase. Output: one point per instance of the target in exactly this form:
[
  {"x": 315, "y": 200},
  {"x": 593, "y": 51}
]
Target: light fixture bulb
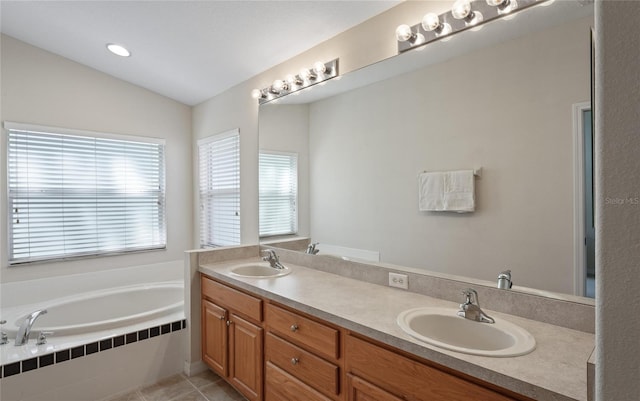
[
  {"x": 507, "y": 6},
  {"x": 256, "y": 93},
  {"x": 118, "y": 50},
  {"x": 495, "y": 3},
  {"x": 461, "y": 9},
  {"x": 278, "y": 86},
  {"x": 403, "y": 33},
  {"x": 319, "y": 67},
  {"x": 305, "y": 74},
  {"x": 293, "y": 80},
  {"x": 430, "y": 22}
]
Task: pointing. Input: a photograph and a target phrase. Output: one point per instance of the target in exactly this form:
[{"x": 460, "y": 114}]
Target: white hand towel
[
  {"x": 459, "y": 191},
  {"x": 431, "y": 191}
]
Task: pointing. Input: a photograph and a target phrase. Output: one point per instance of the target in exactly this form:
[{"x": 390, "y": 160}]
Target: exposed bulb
[
  {"x": 461, "y": 9},
  {"x": 278, "y": 86},
  {"x": 256, "y": 93},
  {"x": 293, "y": 80},
  {"x": 305, "y": 74},
  {"x": 430, "y": 22},
  {"x": 403, "y": 33},
  {"x": 319, "y": 67},
  {"x": 495, "y": 3},
  {"x": 507, "y": 6}
]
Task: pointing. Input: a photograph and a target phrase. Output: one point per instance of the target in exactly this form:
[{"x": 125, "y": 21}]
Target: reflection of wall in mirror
[{"x": 368, "y": 145}]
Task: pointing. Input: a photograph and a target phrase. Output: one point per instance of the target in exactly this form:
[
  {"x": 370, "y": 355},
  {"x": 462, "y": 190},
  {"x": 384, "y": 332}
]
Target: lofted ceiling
[{"x": 186, "y": 50}]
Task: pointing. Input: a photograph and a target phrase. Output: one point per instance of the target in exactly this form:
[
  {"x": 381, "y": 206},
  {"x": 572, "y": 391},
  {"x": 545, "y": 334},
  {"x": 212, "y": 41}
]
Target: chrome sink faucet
[
  {"x": 504, "y": 280},
  {"x": 272, "y": 258},
  {"x": 311, "y": 249},
  {"x": 22, "y": 337},
  {"x": 470, "y": 309}
]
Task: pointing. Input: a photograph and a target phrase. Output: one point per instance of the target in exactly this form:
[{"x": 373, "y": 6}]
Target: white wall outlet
[{"x": 398, "y": 280}]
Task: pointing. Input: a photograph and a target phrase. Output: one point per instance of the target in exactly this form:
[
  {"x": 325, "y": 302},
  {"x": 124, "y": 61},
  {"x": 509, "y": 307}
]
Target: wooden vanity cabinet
[
  {"x": 302, "y": 357},
  {"x": 232, "y": 339},
  {"x": 377, "y": 373}
]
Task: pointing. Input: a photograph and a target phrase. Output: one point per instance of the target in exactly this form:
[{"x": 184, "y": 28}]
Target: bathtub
[
  {"x": 100, "y": 310},
  {"x": 122, "y": 330}
]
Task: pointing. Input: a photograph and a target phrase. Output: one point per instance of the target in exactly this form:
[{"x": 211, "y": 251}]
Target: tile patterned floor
[{"x": 205, "y": 386}]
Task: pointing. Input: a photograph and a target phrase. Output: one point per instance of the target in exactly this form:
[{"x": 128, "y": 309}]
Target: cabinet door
[
  {"x": 361, "y": 390},
  {"x": 214, "y": 337},
  {"x": 245, "y": 354}
]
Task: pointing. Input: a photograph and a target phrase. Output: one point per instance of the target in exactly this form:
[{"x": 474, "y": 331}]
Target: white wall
[
  {"x": 617, "y": 200},
  {"x": 507, "y": 108},
  {"x": 285, "y": 128},
  {"x": 45, "y": 89}
]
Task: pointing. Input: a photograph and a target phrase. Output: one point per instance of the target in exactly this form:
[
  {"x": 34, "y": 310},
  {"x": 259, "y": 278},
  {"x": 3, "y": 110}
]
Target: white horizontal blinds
[
  {"x": 72, "y": 195},
  {"x": 219, "y": 160},
  {"x": 278, "y": 192}
]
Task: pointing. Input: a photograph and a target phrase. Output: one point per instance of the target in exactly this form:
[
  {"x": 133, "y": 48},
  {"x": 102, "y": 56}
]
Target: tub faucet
[
  {"x": 470, "y": 310},
  {"x": 272, "y": 258},
  {"x": 504, "y": 280},
  {"x": 25, "y": 328},
  {"x": 4, "y": 338},
  {"x": 311, "y": 249}
]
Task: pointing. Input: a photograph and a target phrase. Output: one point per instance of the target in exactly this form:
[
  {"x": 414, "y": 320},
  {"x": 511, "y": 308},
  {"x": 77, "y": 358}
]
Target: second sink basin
[
  {"x": 259, "y": 270},
  {"x": 442, "y": 327}
]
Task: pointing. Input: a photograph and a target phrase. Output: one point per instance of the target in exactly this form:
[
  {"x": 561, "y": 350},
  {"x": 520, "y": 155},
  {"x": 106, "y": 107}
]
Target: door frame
[{"x": 579, "y": 229}]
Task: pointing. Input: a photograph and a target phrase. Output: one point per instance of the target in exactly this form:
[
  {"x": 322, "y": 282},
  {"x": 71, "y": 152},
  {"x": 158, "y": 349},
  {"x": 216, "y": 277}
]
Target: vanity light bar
[
  {"x": 306, "y": 77},
  {"x": 464, "y": 14}
]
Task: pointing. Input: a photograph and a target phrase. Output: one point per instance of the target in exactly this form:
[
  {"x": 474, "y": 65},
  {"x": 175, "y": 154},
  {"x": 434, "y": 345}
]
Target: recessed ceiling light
[{"x": 118, "y": 50}]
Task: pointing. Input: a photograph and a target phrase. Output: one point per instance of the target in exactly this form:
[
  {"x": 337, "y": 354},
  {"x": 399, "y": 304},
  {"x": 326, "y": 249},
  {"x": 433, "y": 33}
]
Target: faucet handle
[
  {"x": 42, "y": 337},
  {"x": 4, "y": 338}
]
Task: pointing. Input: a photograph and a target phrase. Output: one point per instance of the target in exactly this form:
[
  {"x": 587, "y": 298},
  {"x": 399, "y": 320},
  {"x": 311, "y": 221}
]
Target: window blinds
[
  {"x": 278, "y": 192},
  {"x": 219, "y": 170},
  {"x": 76, "y": 195}
]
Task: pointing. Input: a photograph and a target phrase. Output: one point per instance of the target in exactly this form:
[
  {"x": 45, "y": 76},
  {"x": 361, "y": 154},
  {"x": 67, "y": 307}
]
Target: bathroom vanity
[{"x": 312, "y": 335}]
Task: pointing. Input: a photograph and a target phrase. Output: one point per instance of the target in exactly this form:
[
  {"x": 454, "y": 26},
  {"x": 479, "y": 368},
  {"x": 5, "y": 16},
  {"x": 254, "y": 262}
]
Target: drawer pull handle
[
  {"x": 294, "y": 327},
  {"x": 294, "y": 361}
]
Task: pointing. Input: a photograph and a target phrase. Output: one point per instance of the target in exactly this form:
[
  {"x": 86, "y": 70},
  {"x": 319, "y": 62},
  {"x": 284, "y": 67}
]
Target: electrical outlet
[{"x": 398, "y": 280}]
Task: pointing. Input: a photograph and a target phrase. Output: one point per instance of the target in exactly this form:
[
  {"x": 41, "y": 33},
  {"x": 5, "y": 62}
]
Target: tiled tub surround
[
  {"x": 556, "y": 370},
  {"x": 152, "y": 343}
]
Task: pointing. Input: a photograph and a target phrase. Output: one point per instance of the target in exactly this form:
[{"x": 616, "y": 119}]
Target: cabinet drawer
[
  {"x": 303, "y": 331},
  {"x": 410, "y": 379},
  {"x": 313, "y": 370},
  {"x": 281, "y": 386},
  {"x": 250, "y": 307}
]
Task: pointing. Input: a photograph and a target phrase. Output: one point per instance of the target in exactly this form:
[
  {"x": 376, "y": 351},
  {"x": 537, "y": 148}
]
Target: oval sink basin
[
  {"x": 443, "y": 328},
  {"x": 259, "y": 270}
]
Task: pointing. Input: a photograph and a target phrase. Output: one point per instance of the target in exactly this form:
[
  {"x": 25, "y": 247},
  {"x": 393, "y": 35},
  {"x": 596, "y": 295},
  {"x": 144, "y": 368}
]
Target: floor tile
[
  {"x": 167, "y": 389},
  {"x": 132, "y": 396},
  {"x": 195, "y": 395},
  {"x": 204, "y": 379},
  {"x": 221, "y": 391}
]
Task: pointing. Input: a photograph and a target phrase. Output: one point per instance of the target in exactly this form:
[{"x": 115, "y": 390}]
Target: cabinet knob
[
  {"x": 229, "y": 323},
  {"x": 294, "y": 361},
  {"x": 221, "y": 317},
  {"x": 294, "y": 327}
]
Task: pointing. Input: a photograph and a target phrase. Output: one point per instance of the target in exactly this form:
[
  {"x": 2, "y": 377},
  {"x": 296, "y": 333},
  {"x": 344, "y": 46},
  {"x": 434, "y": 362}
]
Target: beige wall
[
  {"x": 508, "y": 109},
  {"x": 360, "y": 46},
  {"x": 617, "y": 200},
  {"x": 45, "y": 89}
]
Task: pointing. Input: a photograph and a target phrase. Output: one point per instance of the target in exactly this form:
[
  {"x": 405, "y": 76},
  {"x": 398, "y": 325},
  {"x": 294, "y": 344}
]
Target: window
[
  {"x": 219, "y": 167},
  {"x": 75, "y": 193},
  {"x": 278, "y": 193}
]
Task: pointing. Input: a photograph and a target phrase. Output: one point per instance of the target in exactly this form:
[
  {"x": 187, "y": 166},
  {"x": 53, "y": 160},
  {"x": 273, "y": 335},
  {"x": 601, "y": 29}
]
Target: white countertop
[{"x": 555, "y": 370}]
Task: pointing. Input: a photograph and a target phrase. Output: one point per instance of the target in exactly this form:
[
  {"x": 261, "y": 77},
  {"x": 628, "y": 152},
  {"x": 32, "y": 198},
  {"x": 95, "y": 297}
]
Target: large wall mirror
[{"x": 510, "y": 98}]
